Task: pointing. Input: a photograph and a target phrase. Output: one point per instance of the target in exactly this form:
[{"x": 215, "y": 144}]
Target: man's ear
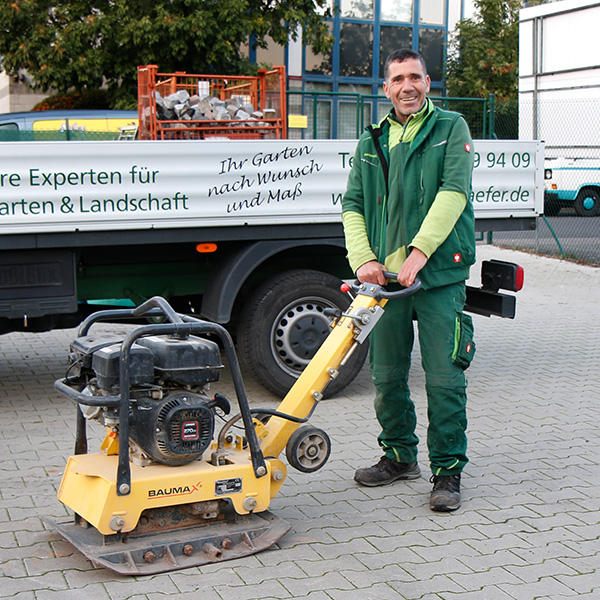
[{"x": 386, "y": 90}]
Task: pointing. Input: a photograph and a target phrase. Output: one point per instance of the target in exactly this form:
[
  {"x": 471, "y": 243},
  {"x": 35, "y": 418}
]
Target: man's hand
[
  {"x": 415, "y": 261},
  {"x": 371, "y": 272}
]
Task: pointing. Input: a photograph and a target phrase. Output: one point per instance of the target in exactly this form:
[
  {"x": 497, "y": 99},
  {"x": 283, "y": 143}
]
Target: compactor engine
[{"x": 171, "y": 417}]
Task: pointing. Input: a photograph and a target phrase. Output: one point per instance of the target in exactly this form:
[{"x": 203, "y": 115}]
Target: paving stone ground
[{"x": 529, "y": 527}]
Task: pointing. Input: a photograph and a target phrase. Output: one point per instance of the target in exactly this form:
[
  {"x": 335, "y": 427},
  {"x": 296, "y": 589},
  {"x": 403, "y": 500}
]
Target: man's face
[{"x": 406, "y": 86}]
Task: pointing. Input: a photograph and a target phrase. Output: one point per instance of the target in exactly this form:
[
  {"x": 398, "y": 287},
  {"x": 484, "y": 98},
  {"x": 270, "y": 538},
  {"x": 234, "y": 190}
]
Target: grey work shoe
[
  {"x": 445, "y": 496},
  {"x": 386, "y": 471}
]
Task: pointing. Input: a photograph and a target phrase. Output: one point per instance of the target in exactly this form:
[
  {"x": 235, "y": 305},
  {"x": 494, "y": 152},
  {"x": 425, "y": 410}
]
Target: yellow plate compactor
[{"x": 164, "y": 492}]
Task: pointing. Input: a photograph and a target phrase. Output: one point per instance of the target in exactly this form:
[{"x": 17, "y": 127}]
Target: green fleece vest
[{"x": 402, "y": 190}]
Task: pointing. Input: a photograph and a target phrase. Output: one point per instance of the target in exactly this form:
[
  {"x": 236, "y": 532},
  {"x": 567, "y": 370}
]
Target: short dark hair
[{"x": 400, "y": 56}]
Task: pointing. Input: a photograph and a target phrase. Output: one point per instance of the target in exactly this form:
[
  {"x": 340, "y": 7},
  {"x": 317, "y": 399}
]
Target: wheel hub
[
  {"x": 312, "y": 450},
  {"x": 589, "y": 202},
  {"x": 307, "y": 334}
]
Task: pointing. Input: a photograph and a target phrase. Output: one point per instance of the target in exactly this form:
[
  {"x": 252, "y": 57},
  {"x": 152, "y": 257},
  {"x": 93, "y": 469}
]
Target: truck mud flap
[
  {"x": 35, "y": 283},
  {"x": 170, "y": 550}
]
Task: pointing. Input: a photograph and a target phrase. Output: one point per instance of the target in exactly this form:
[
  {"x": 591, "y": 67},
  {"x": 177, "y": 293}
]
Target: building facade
[{"x": 365, "y": 31}]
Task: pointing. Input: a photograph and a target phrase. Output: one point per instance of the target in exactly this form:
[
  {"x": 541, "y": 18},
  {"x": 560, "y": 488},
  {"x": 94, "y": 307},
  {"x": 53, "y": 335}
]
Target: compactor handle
[
  {"x": 390, "y": 275},
  {"x": 157, "y": 302},
  {"x": 378, "y": 291}
]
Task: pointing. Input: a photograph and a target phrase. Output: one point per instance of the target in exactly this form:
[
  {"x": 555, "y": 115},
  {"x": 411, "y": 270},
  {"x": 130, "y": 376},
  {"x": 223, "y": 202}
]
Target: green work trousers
[{"x": 441, "y": 322}]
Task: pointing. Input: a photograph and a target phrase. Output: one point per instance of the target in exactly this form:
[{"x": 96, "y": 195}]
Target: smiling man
[
  {"x": 406, "y": 85},
  {"x": 405, "y": 210}
]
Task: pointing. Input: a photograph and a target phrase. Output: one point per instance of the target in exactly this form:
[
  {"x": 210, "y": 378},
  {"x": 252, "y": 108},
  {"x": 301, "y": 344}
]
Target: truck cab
[{"x": 574, "y": 183}]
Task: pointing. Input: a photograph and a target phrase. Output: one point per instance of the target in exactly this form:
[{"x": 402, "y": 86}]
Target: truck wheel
[
  {"x": 283, "y": 325},
  {"x": 587, "y": 203}
]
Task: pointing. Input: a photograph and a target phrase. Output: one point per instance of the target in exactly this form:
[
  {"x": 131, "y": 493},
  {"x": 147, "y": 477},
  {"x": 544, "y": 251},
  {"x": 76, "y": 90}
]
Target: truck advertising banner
[{"x": 68, "y": 186}]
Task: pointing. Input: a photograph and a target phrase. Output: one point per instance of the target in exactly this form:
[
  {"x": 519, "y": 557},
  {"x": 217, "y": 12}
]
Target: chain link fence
[{"x": 570, "y": 226}]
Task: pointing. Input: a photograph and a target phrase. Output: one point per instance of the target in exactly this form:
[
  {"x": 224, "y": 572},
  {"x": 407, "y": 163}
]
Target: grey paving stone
[{"x": 528, "y": 527}]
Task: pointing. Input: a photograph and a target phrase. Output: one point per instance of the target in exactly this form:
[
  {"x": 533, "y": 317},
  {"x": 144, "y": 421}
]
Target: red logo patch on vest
[
  {"x": 468, "y": 148},
  {"x": 468, "y": 348},
  {"x": 457, "y": 258}
]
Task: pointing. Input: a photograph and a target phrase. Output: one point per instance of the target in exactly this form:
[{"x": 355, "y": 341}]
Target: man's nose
[{"x": 406, "y": 84}]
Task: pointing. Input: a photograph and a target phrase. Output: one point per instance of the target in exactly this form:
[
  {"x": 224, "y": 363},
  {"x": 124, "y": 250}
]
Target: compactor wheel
[{"x": 308, "y": 449}]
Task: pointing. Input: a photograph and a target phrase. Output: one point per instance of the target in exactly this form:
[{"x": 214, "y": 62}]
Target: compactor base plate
[{"x": 159, "y": 551}]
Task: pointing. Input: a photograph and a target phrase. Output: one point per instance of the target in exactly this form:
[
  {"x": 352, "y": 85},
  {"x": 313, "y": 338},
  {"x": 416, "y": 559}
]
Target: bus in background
[{"x": 67, "y": 125}]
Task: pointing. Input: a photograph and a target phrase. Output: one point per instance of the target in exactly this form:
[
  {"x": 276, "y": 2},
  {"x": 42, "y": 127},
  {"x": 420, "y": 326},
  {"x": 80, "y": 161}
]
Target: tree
[
  {"x": 79, "y": 44},
  {"x": 483, "y": 56}
]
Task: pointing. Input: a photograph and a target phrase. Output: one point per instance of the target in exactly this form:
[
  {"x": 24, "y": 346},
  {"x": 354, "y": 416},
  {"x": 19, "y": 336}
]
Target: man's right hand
[{"x": 371, "y": 272}]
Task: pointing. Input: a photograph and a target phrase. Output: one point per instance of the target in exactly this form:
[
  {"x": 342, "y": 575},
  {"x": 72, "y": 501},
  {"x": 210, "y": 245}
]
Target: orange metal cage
[{"x": 265, "y": 92}]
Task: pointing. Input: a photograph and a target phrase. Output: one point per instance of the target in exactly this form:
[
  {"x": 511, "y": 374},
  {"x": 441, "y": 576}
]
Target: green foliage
[
  {"x": 87, "y": 99},
  {"x": 79, "y": 44}
]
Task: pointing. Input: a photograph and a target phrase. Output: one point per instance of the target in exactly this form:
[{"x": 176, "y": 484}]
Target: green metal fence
[{"x": 344, "y": 115}]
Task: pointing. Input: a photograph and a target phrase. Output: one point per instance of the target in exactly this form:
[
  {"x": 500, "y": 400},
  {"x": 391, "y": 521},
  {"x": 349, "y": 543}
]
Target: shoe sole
[
  {"x": 444, "y": 508},
  {"x": 404, "y": 477}
]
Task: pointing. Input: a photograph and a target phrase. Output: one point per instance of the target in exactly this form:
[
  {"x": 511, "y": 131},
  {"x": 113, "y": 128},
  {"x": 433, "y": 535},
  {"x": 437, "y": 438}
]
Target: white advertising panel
[
  {"x": 508, "y": 179},
  {"x": 66, "y": 186}
]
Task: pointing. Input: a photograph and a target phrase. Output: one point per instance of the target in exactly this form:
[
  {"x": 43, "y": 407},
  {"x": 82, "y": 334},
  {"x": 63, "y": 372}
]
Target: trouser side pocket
[{"x": 464, "y": 346}]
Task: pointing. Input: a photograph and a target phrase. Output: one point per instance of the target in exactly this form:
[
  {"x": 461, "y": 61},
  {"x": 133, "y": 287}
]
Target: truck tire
[
  {"x": 283, "y": 325},
  {"x": 587, "y": 203}
]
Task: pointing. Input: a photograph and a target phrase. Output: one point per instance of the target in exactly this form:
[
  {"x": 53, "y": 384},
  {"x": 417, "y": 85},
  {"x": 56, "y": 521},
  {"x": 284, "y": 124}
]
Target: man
[{"x": 407, "y": 209}]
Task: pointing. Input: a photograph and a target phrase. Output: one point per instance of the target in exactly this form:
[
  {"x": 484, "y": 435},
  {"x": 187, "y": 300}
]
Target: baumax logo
[{"x": 183, "y": 490}]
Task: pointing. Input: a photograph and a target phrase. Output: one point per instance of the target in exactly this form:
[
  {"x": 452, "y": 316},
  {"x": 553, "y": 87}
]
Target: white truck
[
  {"x": 572, "y": 182},
  {"x": 245, "y": 233},
  {"x": 559, "y": 99}
]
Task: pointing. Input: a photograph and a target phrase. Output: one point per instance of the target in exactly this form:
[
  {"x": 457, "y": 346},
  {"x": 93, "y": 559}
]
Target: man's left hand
[{"x": 415, "y": 261}]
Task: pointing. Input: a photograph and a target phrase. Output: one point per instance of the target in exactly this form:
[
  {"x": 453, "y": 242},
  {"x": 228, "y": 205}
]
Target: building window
[
  {"x": 366, "y": 31},
  {"x": 398, "y": 11},
  {"x": 274, "y": 54},
  {"x": 393, "y": 38},
  {"x": 319, "y": 64},
  {"x": 432, "y": 12},
  {"x": 356, "y": 50},
  {"x": 356, "y": 9},
  {"x": 431, "y": 46}
]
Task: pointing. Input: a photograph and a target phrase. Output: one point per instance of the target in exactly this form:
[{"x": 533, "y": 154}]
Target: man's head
[{"x": 406, "y": 82}]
